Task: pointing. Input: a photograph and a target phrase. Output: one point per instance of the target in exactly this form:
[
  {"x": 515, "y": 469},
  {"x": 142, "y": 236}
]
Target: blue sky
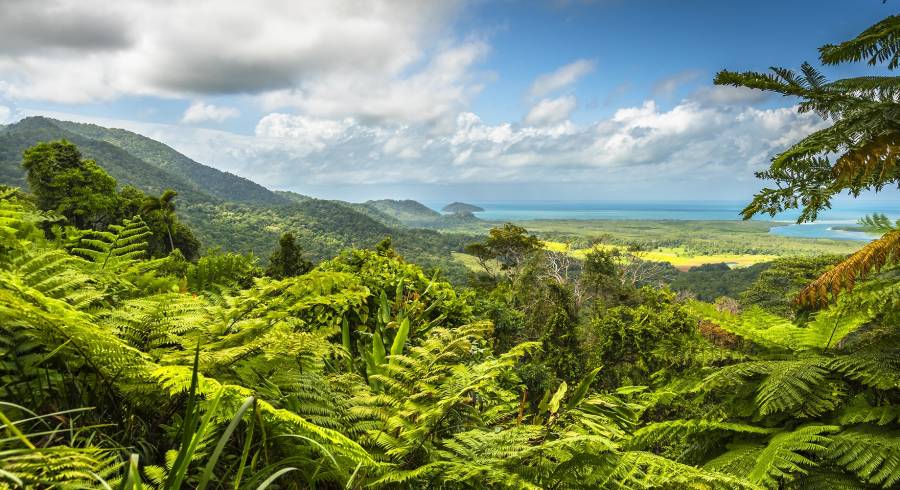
[{"x": 434, "y": 100}]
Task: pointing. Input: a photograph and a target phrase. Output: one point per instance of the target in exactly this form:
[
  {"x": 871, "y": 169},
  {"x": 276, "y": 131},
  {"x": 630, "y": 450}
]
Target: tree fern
[
  {"x": 156, "y": 321},
  {"x": 871, "y": 454},
  {"x": 784, "y": 456},
  {"x": 872, "y": 257},
  {"x": 118, "y": 245}
]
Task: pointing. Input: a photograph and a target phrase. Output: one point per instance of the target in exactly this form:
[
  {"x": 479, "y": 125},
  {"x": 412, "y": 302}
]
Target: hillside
[
  {"x": 407, "y": 211},
  {"x": 226, "y": 211},
  {"x": 219, "y": 184},
  {"x": 461, "y": 208},
  {"x": 417, "y": 215},
  {"x": 132, "y": 159}
]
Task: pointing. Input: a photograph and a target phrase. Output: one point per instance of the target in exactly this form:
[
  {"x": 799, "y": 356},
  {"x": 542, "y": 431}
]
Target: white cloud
[
  {"x": 5, "y": 114},
  {"x": 561, "y": 78},
  {"x": 728, "y": 95},
  {"x": 381, "y": 59},
  {"x": 432, "y": 95},
  {"x": 551, "y": 111},
  {"x": 199, "y": 112},
  {"x": 699, "y": 150},
  {"x": 667, "y": 87}
]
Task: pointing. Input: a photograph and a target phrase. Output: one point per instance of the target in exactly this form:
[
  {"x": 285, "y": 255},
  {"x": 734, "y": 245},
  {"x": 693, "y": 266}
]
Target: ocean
[{"x": 842, "y": 214}]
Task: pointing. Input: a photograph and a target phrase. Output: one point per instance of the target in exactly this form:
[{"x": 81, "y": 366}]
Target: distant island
[{"x": 461, "y": 208}]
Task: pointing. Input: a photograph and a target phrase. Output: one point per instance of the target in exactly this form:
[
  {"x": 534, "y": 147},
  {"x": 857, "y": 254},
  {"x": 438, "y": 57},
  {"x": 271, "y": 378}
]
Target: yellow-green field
[
  {"x": 677, "y": 256},
  {"x": 684, "y": 244}
]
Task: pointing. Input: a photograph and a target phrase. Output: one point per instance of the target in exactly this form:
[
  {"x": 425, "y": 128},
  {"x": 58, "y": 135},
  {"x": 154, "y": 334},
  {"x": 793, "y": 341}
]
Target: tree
[
  {"x": 78, "y": 189},
  {"x": 510, "y": 246},
  {"x": 858, "y": 152},
  {"x": 159, "y": 213},
  {"x": 288, "y": 260},
  {"x": 164, "y": 208},
  {"x": 560, "y": 343}
]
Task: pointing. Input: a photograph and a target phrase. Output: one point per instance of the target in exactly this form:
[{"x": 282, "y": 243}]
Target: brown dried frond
[{"x": 844, "y": 275}]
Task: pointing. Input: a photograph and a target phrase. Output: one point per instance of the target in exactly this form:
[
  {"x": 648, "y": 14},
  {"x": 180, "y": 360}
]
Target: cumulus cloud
[
  {"x": 433, "y": 95},
  {"x": 699, "y": 148},
  {"x": 690, "y": 144},
  {"x": 380, "y": 59},
  {"x": 28, "y": 27},
  {"x": 551, "y": 111},
  {"x": 5, "y": 114},
  {"x": 725, "y": 94},
  {"x": 561, "y": 78},
  {"x": 199, "y": 112}
]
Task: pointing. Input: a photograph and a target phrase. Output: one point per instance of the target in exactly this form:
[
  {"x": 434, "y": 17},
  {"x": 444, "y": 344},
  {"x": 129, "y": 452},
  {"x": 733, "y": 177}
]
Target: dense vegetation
[{"x": 127, "y": 368}]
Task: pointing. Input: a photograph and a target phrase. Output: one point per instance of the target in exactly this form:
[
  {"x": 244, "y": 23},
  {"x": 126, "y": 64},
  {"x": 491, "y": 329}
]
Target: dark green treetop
[
  {"x": 288, "y": 260},
  {"x": 78, "y": 189}
]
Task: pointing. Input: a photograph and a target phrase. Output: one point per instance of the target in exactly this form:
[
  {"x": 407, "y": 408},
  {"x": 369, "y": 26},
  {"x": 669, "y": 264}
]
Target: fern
[
  {"x": 650, "y": 434},
  {"x": 117, "y": 246},
  {"x": 779, "y": 460},
  {"x": 872, "y": 257},
  {"x": 157, "y": 321},
  {"x": 871, "y": 454}
]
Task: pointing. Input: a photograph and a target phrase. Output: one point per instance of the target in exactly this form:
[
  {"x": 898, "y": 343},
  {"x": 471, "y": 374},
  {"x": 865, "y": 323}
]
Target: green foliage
[
  {"x": 367, "y": 371},
  {"x": 878, "y": 223},
  {"x": 635, "y": 341},
  {"x": 75, "y": 188},
  {"x": 856, "y": 153},
  {"x": 710, "y": 281},
  {"x": 509, "y": 246},
  {"x": 776, "y": 287},
  {"x": 222, "y": 269},
  {"x": 288, "y": 260}
]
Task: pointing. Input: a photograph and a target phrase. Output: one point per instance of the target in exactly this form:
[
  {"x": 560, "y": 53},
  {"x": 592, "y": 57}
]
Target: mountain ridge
[{"x": 224, "y": 210}]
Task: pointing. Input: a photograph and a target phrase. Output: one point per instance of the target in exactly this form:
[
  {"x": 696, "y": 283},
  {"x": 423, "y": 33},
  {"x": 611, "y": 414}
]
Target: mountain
[
  {"x": 417, "y": 215},
  {"x": 227, "y": 211},
  {"x": 408, "y": 212},
  {"x": 461, "y": 208},
  {"x": 132, "y": 159}
]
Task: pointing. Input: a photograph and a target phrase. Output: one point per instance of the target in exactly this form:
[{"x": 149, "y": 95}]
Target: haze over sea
[{"x": 842, "y": 214}]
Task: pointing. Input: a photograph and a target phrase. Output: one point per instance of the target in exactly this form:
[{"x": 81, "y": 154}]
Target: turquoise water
[{"x": 842, "y": 214}]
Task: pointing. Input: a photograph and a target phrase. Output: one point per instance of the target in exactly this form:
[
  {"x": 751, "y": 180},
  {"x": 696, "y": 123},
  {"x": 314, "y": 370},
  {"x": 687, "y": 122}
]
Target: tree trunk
[{"x": 171, "y": 243}]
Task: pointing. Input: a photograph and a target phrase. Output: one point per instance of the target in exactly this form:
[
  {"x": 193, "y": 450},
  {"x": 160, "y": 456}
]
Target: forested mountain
[
  {"x": 131, "y": 159},
  {"x": 218, "y": 184},
  {"x": 461, "y": 208},
  {"x": 406, "y": 211},
  {"x": 226, "y": 211},
  {"x": 417, "y": 215}
]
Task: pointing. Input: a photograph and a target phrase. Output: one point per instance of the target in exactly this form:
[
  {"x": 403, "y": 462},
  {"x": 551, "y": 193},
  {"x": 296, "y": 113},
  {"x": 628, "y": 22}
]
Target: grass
[
  {"x": 684, "y": 244},
  {"x": 677, "y": 256}
]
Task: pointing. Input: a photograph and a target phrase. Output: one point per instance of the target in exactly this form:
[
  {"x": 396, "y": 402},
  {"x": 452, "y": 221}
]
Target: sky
[{"x": 437, "y": 100}]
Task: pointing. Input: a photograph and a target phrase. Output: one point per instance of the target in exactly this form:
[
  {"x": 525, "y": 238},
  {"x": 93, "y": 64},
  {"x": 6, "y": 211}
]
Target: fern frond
[
  {"x": 878, "y": 44},
  {"x": 117, "y": 246},
  {"x": 785, "y": 456},
  {"x": 789, "y": 385},
  {"x": 858, "y": 411},
  {"x": 650, "y": 434},
  {"x": 872, "y": 257},
  {"x": 872, "y": 454}
]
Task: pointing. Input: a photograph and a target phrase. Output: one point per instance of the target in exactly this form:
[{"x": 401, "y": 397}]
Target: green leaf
[
  {"x": 583, "y": 388},
  {"x": 378, "y": 353},
  {"x": 400, "y": 338},
  {"x": 553, "y": 406}
]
